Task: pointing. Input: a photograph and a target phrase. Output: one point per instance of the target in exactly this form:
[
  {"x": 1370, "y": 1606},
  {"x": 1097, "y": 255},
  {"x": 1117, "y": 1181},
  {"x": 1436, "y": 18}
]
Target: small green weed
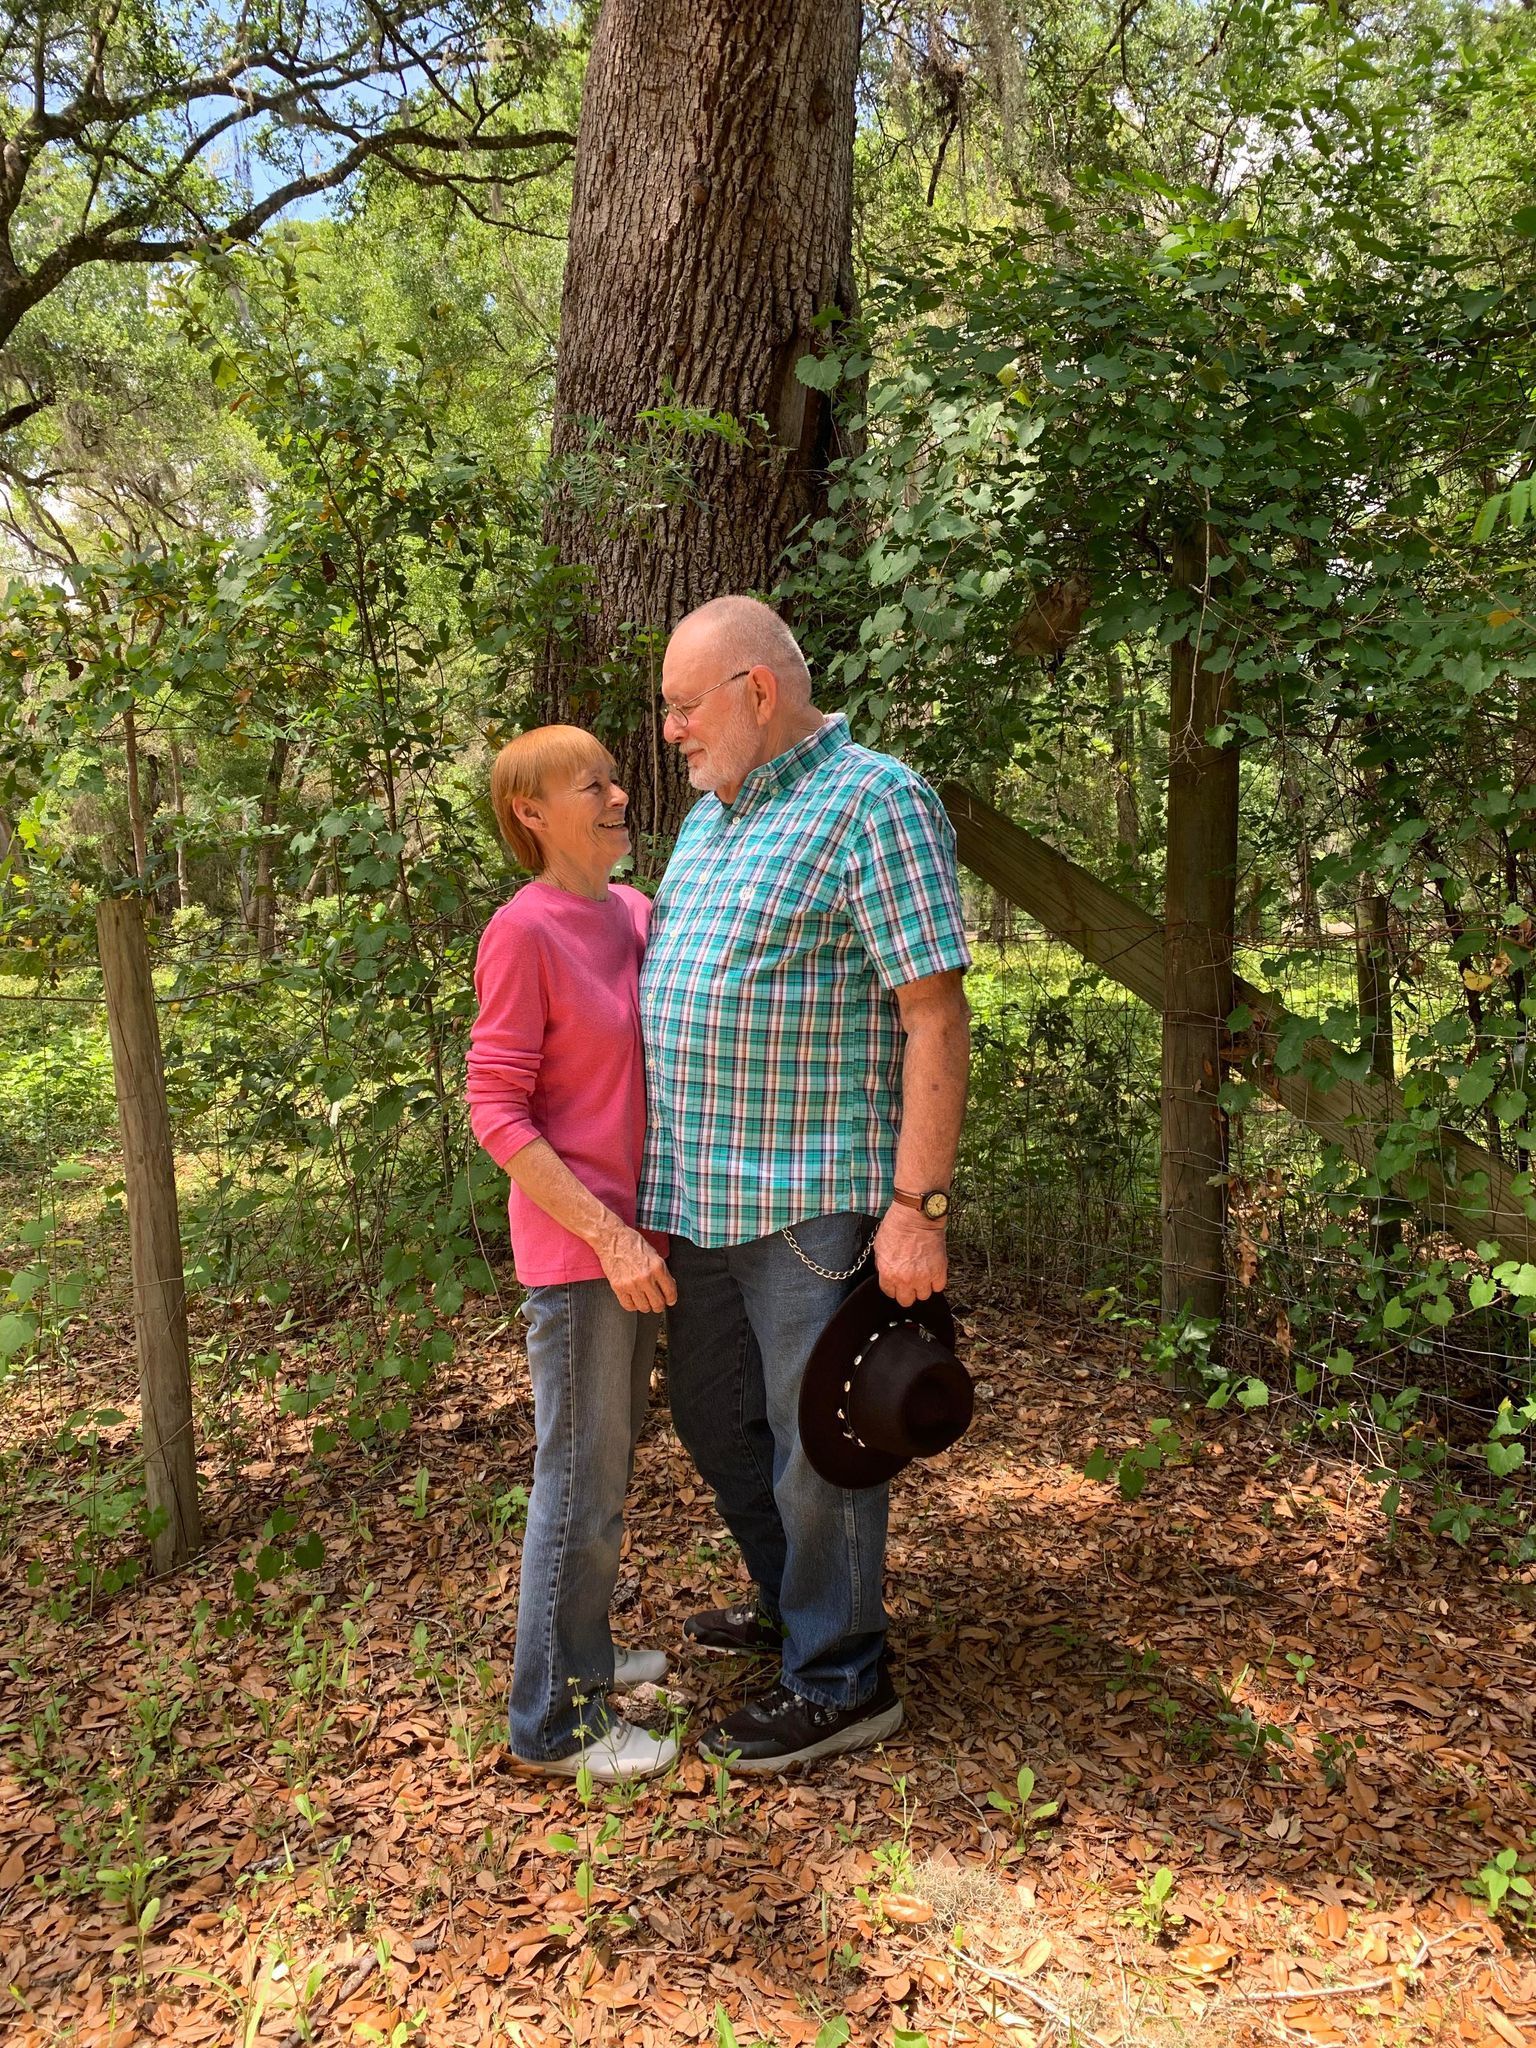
[
  {"x": 1025, "y": 1813},
  {"x": 1152, "y": 1915},
  {"x": 1503, "y": 1883}
]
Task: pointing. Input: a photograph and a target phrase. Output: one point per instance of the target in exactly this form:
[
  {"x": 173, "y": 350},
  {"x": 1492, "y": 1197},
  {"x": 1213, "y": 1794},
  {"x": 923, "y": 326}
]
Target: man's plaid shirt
[{"x": 773, "y": 1043}]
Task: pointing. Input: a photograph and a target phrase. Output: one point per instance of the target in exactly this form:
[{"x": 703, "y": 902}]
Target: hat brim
[{"x": 839, "y": 1458}]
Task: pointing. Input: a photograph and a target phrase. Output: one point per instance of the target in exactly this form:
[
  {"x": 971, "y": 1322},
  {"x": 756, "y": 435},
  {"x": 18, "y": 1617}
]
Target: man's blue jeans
[
  {"x": 746, "y": 1319},
  {"x": 590, "y": 1362}
]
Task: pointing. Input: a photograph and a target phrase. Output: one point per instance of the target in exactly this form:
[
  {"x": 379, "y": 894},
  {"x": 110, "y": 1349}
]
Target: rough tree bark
[
  {"x": 711, "y": 222},
  {"x": 1199, "y": 897}
]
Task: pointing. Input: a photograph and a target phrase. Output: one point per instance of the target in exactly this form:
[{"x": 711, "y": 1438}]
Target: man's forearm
[{"x": 935, "y": 1072}]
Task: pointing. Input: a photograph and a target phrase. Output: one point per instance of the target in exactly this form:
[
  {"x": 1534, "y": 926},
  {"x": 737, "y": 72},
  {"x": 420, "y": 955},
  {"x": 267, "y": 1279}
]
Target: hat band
[{"x": 925, "y": 1428}]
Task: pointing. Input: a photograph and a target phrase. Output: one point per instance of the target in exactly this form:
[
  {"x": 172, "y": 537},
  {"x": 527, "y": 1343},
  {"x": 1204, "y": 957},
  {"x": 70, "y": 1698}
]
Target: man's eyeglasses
[{"x": 679, "y": 714}]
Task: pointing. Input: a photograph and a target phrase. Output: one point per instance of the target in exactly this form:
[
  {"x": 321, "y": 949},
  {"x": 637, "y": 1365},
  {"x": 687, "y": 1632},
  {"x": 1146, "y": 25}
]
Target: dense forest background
[{"x": 1132, "y": 407}]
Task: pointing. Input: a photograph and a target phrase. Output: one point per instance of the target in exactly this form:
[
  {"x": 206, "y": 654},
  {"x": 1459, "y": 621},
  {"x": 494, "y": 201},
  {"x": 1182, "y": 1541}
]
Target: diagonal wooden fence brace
[{"x": 1465, "y": 1191}]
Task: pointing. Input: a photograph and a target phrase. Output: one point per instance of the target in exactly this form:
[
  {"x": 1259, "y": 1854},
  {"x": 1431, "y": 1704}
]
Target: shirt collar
[{"x": 793, "y": 765}]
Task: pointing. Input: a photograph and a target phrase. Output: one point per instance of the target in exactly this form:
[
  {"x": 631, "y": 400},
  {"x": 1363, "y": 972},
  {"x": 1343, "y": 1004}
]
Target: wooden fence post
[
  {"x": 1199, "y": 898},
  {"x": 154, "y": 1231}
]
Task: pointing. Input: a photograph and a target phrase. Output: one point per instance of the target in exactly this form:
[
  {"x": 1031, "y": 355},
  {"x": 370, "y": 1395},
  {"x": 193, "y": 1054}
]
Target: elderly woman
[{"x": 557, "y": 1098}]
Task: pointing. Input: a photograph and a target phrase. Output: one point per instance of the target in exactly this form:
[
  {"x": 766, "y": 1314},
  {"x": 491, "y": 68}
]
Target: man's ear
[{"x": 763, "y": 688}]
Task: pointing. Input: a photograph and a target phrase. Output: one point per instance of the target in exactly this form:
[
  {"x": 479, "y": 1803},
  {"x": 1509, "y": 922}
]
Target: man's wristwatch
[{"x": 934, "y": 1205}]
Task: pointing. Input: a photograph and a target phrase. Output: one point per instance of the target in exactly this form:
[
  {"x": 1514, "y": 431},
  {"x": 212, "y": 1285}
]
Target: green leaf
[
  {"x": 725, "y": 2033},
  {"x": 1482, "y": 1291},
  {"x": 821, "y": 373},
  {"x": 1254, "y": 1395},
  {"x": 15, "y": 1331},
  {"x": 1487, "y": 516},
  {"x": 834, "y": 2034},
  {"x": 1523, "y": 220},
  {"x": 1504, "y": 1458}
]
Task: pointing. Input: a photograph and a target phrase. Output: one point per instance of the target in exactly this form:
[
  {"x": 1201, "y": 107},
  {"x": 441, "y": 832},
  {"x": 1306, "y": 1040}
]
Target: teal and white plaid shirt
[{"x": 773, "y": 1043}]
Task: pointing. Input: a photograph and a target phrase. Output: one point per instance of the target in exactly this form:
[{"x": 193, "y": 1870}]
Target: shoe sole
[
  {"x": 568, "y": 1767},
  {"x": 775, "y": 1650},
  {"x": 862, "y": 1735}
]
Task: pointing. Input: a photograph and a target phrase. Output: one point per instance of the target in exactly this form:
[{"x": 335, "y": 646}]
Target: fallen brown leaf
[
  {"x": 906, "y": 1910},
  {"x": 1202, "y": 1958},
  {"x": 1036, "y": 1956}
]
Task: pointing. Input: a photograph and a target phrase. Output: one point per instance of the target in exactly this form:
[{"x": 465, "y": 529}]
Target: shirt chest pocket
[{"x": 777, "y": 918}]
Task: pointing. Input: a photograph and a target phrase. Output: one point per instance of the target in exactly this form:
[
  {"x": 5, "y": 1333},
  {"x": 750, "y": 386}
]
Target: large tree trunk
[
  {"x": 1200, "y": 889},
  {"x": 711, "y": 222}
]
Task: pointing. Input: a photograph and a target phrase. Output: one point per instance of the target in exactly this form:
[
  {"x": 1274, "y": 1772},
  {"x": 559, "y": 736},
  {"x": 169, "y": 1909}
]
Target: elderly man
[{"x": 807, "y": 1042}]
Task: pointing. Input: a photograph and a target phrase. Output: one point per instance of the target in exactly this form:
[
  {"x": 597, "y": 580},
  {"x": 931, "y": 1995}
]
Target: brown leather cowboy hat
[{"x": 883, "y": 1386}]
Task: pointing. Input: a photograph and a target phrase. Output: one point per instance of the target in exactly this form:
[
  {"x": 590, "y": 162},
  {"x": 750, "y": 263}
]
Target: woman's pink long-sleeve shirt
[{"x": 554, "y": 1053}]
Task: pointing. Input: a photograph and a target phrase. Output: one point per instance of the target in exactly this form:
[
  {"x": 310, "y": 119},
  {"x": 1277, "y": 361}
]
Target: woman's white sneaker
[
  {"x": 621, "y": 1751},
  {"x": 638, "y": 1667}
]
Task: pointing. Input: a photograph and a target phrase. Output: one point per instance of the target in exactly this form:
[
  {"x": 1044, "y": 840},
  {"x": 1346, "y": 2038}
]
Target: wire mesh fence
[{"x": 1061, "y": 1187}]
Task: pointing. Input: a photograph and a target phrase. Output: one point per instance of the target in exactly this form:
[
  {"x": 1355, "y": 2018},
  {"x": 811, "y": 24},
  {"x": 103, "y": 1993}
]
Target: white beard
[{"x": 729, "y": 759}]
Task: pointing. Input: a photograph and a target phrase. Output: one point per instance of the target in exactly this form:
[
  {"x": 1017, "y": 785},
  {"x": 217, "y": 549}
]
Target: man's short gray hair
[{"x": 749, "y": 633}]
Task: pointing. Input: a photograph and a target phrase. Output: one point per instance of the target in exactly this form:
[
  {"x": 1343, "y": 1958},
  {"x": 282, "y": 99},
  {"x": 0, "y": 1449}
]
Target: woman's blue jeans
[
  {"x": 590, "y": 1362},
  {"x": 746, "y": 1319}
]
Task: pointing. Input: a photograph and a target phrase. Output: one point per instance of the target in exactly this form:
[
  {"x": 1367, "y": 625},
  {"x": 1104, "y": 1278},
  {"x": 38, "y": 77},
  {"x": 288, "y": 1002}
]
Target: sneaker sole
[
  {"x": 861, "y": 1735},
  {"x": 774, "y": 1650},
  {"x": 569, "y": 1767}
]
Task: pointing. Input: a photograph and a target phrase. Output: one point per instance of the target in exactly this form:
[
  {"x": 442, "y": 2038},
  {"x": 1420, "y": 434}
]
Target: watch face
[{"x": 936, "y": 1206}]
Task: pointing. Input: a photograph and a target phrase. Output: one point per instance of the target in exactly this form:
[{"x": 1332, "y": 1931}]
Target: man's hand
[
  {"x": 635, "y": 1270},
  {"x": 911, "y": 1256}
]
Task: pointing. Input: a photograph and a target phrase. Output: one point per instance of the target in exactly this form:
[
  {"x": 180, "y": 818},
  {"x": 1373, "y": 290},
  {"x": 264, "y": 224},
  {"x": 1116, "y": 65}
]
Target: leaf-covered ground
[{"x": 1233, "y": 1681}]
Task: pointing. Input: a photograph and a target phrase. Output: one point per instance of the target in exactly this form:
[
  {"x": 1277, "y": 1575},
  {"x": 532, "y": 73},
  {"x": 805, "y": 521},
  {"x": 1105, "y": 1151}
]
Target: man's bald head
[{"x": 745, "y": 633}]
